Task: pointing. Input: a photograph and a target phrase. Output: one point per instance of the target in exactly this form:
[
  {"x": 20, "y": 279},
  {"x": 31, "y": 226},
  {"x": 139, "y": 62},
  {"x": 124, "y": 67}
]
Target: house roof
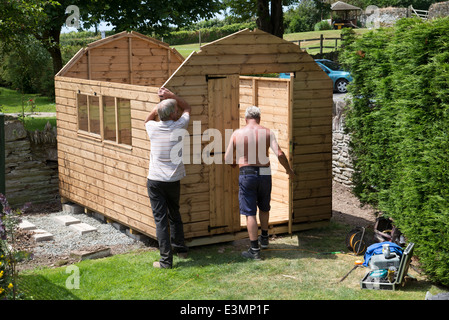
[{"x": 343, "y": 6}]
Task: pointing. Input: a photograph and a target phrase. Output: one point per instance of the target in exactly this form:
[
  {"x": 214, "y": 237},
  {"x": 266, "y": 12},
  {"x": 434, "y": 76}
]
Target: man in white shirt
[{"x": 166, "y": 169}]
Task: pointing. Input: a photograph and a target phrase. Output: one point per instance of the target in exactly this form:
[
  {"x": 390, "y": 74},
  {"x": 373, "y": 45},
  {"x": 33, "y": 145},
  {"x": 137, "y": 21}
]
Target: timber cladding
[{"x": 105, "y": 92}]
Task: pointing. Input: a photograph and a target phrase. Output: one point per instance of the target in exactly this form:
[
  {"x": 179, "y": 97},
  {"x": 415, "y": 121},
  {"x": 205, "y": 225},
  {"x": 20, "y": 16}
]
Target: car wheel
[{"x": 341, "y": 84}]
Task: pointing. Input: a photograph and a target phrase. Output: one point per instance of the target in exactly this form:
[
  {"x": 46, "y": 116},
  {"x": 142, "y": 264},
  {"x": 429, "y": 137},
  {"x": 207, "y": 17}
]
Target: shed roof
[{"x": 343, "y": 6}]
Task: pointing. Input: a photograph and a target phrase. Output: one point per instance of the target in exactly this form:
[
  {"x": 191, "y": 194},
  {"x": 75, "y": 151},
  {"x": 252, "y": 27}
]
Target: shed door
[{"x": 223, "y": 98}]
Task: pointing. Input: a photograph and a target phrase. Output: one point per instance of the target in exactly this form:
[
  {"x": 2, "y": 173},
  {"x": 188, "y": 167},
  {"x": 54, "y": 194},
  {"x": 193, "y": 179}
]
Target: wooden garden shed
[{"x": 105, "y": 92}]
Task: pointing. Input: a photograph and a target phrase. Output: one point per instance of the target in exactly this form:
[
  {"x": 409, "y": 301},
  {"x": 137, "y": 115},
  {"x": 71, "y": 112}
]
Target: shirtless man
[{"x": 252, "y": 144}]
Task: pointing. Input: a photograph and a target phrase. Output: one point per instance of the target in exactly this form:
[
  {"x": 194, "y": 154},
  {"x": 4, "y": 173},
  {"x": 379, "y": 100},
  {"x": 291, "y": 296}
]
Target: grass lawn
[
  {"x": 11, "y": 102},
  {"x": 294, "y": 268}
]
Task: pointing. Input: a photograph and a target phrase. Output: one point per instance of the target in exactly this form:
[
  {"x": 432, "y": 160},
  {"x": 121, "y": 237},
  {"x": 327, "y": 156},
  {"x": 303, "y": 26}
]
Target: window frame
[{"x": 101, "y": 137}]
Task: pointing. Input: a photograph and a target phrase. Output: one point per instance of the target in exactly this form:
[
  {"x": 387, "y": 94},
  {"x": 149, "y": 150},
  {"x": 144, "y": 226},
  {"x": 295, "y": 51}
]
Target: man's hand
[
  {"x": 291, "y": 173},
  {"x": 164, "y": 93}
]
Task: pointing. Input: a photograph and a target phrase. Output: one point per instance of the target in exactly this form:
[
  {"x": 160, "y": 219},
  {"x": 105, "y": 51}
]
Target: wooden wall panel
[{"x": 312, "y": 154}]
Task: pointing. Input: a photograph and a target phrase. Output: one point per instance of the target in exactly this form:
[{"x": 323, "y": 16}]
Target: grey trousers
[{"x": 164, "y": 199}]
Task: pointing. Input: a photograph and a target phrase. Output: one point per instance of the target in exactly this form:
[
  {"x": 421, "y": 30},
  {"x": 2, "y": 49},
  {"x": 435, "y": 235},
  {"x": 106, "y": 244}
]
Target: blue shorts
[{"x": 254, "y": 191}]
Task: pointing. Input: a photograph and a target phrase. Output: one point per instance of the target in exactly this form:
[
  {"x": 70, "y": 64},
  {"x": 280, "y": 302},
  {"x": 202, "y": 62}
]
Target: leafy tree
[
  {"x": 44, "y": 19},
  {"x": 303, "y": 17}
]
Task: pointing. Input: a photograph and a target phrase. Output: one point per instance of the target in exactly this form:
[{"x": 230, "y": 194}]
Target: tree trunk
[
  {"x": 272, "y": 23},
  {"x": 277, "y": 18},
  {"x": 263, "y": 16},
  {"x": 50, "y": 41},
  {"x": 55, "y": 49}
]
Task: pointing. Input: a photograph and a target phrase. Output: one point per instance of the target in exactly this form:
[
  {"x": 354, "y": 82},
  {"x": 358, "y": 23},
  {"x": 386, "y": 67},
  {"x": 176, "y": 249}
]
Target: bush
[
  {"x": 322, "y": 25},
  {"x": 9, "y": 255},
  {"x": 28, "y": 68},
  {"x": 207, "y": 34},
  {"x": 399, "y": 125}
]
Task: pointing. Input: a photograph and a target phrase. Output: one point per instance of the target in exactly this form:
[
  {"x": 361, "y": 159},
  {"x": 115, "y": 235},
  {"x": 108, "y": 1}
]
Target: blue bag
[{"x": 377, "y": 249}]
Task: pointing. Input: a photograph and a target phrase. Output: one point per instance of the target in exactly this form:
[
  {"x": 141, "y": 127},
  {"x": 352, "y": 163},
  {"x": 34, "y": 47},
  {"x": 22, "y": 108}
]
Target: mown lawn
[
  {"x": 11, "y": 102},
  {"x": 297, "y": 267}
]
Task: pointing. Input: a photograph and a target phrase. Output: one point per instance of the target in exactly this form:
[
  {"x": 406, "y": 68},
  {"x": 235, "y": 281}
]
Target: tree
[
  {"x": 270, "y": 21},
  {"x": 304, "y": 17},
  {"x": 269, "y": 13},
  {"x": 45, "y": 19}
]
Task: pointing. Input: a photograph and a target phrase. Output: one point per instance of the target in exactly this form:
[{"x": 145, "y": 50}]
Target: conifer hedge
[{"x": 399, "y": 125}]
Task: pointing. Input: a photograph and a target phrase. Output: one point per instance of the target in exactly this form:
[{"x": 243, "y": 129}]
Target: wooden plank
[
  {"x": 71, "y": 62},
  {"x": 130, "y": 60}
]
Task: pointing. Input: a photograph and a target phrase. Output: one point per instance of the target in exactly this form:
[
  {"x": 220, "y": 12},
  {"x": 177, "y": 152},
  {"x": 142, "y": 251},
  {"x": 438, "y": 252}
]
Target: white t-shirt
[{"x": 166, "y": 148}]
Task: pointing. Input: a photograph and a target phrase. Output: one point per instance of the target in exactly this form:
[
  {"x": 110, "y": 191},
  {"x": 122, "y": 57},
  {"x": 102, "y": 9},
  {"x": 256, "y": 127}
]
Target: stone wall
[
  {"x": 31, "y": 164},
  {"x": 342, "y": 168},
  {"x": 438, "y": 10}
]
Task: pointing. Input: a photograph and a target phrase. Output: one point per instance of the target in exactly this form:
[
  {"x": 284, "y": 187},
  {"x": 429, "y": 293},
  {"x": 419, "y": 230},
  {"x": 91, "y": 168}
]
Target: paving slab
[
  {"x": 42, "y": 235},
  {"x": 91, "y": 254},
  {"x": 66, "y": 220},
  {"x": 72, "y": 208},
  {"x": 26, "y": 225},
  {"x": 82, "y": 228}
]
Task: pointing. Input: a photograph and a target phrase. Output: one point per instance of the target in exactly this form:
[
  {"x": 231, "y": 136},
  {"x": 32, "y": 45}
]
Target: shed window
[
  {"x": 116, "y": 117},
  {"x": 110, "y": 132},
  {"x": 124, "y": 120},
  {"x": 94, "y": 114},
  {"x": 83, "y": 122},
  {"x": 89, "y": 113}
]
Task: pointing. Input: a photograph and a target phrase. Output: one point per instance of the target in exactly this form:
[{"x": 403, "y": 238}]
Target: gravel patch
[
  {"x": 65, "y": 239},
  {"x": 57, "y": 252}
]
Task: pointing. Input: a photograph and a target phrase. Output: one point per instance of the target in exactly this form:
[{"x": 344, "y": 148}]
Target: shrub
[
  {"x": 207, "y": 34},
  {"x": 399, "y": 125},
  {"x": 9, "y": 256},
  {"x": 322, "y": 25}
]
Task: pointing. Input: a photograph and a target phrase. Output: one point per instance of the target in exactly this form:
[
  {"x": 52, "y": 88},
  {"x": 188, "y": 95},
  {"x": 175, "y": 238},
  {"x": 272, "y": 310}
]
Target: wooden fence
[
  {"x": 321, "y": 43},
  {"x": 423, "y": 14}
]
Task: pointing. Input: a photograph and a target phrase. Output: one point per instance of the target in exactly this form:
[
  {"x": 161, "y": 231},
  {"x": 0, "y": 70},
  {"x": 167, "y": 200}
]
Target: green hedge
[
  {"x": 399, "y": 122},
  {"x": 207, "y": 34}
]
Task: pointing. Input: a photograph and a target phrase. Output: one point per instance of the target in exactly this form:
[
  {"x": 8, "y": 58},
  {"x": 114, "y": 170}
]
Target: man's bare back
[{"x": 252, "y": 144}]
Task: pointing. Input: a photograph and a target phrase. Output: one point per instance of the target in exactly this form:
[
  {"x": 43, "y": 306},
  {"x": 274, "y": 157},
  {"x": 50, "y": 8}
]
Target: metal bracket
[{"x": 214, "y": 77}]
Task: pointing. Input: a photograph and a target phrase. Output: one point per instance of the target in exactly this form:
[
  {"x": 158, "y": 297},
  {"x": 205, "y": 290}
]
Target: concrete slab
[
  {"x": 26, "y": 225},
  {"x": 82, "y": 228},
  {"x": 42, "y": 236},
  {"x": 72, "y": 208},
  {"x": 38, "y": 231},
  {"x": 91, "y": 254},
  {"x": 66, "y": 220}
]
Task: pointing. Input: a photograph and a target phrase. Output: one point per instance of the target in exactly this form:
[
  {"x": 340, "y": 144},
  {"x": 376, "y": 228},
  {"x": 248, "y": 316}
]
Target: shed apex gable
[
  {"x": 126, "y": 34},
  {"x": 248, "y": 37}
]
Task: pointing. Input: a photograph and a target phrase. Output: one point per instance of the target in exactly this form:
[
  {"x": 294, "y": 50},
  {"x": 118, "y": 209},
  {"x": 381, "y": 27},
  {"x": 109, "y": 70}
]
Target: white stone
[
  {"x": 26, "y": 225},
  {"x": 82, "y": 228},
  {"x": 66, "y": 220}
]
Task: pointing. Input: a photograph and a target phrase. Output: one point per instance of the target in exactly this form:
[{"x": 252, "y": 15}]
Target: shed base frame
[{"x": 274, "y": 229}]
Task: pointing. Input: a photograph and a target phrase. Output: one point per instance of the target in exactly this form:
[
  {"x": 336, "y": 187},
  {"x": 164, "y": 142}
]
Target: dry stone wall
[
  {"x": 438, "y": 10},
  {"x": 342, "y": 168},
  {"x": 31, "y": 164}
]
